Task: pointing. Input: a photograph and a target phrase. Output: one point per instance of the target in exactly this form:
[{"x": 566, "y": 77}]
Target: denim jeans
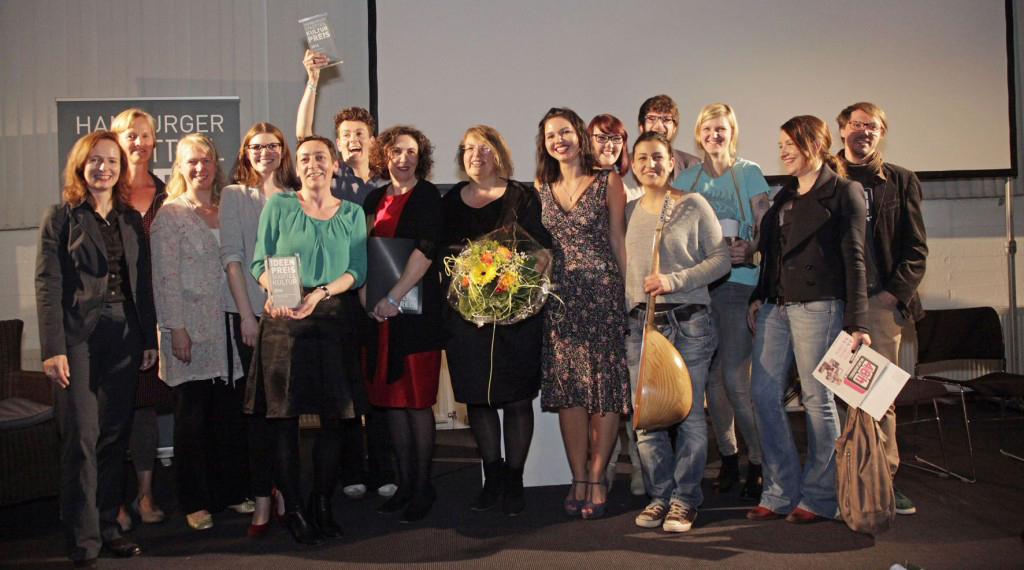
[
  {"x": 801, "y": 332},
  {"x": 729, "y": 382},
  {"x": 676, "y": 476}
]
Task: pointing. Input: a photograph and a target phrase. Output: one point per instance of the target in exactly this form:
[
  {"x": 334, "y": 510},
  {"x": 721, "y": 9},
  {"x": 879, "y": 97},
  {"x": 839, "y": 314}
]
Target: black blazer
[
  {"x": 71, "y": 276},
  {"x": 824, "y": 253},
  {"x": 422, "y": 219}
]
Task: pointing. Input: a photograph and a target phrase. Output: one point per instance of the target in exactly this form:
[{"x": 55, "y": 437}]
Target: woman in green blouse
[{"x": 305, "y": 361}]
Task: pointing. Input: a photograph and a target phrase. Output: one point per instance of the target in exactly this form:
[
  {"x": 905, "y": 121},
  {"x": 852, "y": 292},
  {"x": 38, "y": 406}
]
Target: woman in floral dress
[{"x": 585, "y": 375}]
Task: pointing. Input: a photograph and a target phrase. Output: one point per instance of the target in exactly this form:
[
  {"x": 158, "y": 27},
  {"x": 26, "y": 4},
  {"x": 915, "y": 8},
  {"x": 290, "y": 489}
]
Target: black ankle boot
[
  {"x": 729, "y": 475},
  {"x": 419, "y": 506},
  {"x": 755, "y": 483},
  {"x": 513, "y": 501},
  {"x": 303, "y": 531},
  {"x": 489, "y": 495},
  {"x": 323, "y": 517}
]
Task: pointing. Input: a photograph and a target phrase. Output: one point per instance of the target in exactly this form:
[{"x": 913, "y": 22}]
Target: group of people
[{"x": 131, "y": 274}]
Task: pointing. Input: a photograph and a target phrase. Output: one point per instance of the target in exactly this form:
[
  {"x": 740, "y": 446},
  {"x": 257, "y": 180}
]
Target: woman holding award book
[
  {"x": 188, "y": 286},
  {"x": 263, "y": 168},
  {"x": 403, "y": 362},
  {"x": 305, "y": 360}
]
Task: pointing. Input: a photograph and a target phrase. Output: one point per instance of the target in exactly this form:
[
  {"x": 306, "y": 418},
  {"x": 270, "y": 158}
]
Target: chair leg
[
  {"x": 944, "y": 470},
  {"x": 1003, "y": 418}
]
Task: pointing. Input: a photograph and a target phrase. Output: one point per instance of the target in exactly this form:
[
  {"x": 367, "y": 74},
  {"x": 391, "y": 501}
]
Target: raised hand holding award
[{"x": 320, "y": 37}]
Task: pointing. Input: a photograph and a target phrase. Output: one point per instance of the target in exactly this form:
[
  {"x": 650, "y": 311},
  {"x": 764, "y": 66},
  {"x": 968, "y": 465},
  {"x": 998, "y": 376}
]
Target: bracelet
[
  {"x": 327, "y": 294},
  {"x": 311, "y": 86},
  {"x": 392, "y": 301}
]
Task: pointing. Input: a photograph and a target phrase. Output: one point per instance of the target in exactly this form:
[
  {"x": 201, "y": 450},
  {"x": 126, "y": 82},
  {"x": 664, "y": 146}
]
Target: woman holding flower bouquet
[
  {"x": 494, "y": 366},
  {"x": 403, "y": 362},
  {"x": 584, "y": 360}
]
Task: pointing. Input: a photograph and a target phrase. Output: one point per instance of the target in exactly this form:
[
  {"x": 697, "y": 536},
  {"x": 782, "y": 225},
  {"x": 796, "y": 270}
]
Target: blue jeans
[
  {"x": 676, "y": 476},
  {"x": 801, "y": 332}
]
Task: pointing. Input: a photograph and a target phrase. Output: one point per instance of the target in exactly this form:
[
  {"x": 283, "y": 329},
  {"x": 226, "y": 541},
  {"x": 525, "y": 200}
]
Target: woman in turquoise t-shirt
[
  {"x": 306, "y": 360},
  {"x": 738, "y": 193}
]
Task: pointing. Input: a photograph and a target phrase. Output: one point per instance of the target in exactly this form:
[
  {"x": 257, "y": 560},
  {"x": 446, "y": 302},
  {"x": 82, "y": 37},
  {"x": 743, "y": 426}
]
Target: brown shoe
[
  {"x": 802, "y": 516},
  {"x": 760, "y": 513}
]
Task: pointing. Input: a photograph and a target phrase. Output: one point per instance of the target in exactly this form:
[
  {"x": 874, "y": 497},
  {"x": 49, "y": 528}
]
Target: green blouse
[{"x": 327, "y": 248}]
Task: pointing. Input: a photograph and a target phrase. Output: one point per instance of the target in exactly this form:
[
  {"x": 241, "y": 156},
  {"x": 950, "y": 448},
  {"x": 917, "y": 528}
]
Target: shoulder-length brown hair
[
  {"x": 380, "y": 154},
  {"x": 808, "y": 131},
  {"x": 490, "y": 136},
  {"x": 611, "y": 125},
  {"x": 75, "y": 188},
  {"x": 244, "y": 173},
  {"x": 176, "y": 187},
  {"x": 547, "y": 167}
]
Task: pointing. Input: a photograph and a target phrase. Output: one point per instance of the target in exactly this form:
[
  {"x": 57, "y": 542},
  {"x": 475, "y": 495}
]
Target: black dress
[{"x": 517, "y": 347}]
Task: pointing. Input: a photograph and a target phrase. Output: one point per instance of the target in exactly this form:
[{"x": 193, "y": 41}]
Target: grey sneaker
[
  {"x": 652, "y": 516},
  {"x": 904, "y": 506},
  {"x": 680, "y": 518}
]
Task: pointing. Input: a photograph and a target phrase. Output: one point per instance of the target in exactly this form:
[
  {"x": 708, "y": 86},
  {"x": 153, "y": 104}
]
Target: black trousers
[
  {"x": 257, "y": 431},
  {"x": 211, "y": 467},
  {"x": 95, "y": 414}
]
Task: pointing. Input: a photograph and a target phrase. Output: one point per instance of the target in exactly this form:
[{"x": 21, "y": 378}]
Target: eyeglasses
[
  {"x": 603, "y": 138},
  {"x": 664, "y": 119},
  {"x": 859, "y": 126},
  {"x": 257, "y": 148},
  {"x": 484, "y": 149}
]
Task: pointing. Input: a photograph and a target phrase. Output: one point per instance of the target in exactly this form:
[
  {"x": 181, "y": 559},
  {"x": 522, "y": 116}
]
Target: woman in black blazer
[
  {"x": 403, "y": 361},
  {"x": 812, "y": 285},
  {"x": 97, "y": 329}
]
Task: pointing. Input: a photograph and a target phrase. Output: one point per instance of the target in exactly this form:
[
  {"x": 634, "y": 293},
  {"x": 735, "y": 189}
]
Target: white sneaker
[
  {"x": 636, "y": 484},
  {"x": 387, "y": 490},
  {"x": 354, "y": 491},
  {"x": 652, "y": 516},
  {"x": 679, "y": 518}
]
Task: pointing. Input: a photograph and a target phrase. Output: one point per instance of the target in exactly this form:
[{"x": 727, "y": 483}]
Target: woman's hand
[
  {"x": 752, "y": 311},
  {"x": 657, "y": 284},
  {"x": 57, "y": 369},
  {"x": 314, "y": 62},
  {"x": 250, "y": 330},
  {"x": 384, "y": 310},
  {"x": 740, "y": 250},
  {"x": 181, "y": 345},
  {"x": 309, "y": 302},
  {"x": 148, "y": 359},
  {"x": 860, "y": 338}
]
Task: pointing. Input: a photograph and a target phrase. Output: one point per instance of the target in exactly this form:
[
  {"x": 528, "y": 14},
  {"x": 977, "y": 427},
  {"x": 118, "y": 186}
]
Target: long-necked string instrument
[{"x": 664, "y": 394}]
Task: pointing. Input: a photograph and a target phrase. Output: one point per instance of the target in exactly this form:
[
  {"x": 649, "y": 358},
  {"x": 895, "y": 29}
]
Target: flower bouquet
[{"x": 502, "y": 277}]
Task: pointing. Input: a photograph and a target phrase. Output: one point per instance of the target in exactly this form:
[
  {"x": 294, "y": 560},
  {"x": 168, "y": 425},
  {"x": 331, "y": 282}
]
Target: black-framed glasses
[
  {"x": 859, "y": 126},
  {"x": 257, "y": 148},
  {"x": 602, "y": 138},
  {"x": 663, "y": 119}
]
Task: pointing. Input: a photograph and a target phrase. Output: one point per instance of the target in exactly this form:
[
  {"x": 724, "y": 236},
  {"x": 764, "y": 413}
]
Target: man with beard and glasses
[
  {"x": 895, "y": 247},
  {"x": 659, "y": 114}
]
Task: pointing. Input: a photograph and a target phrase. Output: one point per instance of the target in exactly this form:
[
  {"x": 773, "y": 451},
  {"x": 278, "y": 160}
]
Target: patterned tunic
[{"x": 584, "y": 356}]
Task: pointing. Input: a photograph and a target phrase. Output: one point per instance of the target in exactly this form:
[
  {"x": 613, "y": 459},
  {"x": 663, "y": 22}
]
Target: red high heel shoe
[{"x": 258, "y": 530}]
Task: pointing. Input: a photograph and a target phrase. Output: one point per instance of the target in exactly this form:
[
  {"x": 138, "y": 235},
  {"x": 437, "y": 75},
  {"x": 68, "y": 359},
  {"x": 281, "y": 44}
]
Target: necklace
[{"x": 574, "y": 193}]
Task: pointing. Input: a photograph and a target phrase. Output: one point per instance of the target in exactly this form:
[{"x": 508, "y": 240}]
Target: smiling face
[
  {"x": 198, "y": 168},
  {"x": 403, "y": 156},
  {"x": 652, "y": 164},
  {"x": 861, "y": 136},
  {"x": 795, "y": 163},
  {"x": 102, "y": 166},
  {"x": 716, "y": 136},
  {"x": 138, "y": 141},
  {"x": 264, "y": 153},
  {"x": 561, "y": 140},
  {"x": 661, "y": 123},
  {"x": 354, "y": 140},
  {"x": 478, "y": 158},
  {"x": 314, "y": 164},
  {"x": 608, "y": 151}
]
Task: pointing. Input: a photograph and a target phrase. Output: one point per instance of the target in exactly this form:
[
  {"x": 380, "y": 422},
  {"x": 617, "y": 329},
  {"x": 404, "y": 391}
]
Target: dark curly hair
[{"x": 380, "y": 154}]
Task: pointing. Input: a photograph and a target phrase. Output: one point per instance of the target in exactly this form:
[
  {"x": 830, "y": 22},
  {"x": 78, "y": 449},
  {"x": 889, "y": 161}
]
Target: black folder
[{"x": 385, "y": 262}]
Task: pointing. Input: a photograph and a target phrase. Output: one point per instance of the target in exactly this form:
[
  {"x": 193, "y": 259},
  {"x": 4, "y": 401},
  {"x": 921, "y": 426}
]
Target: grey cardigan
[{"x": 240, "y": 209}]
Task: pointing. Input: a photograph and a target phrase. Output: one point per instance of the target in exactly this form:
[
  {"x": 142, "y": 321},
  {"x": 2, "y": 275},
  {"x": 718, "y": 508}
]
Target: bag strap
[{"x": 735, "y": 185}]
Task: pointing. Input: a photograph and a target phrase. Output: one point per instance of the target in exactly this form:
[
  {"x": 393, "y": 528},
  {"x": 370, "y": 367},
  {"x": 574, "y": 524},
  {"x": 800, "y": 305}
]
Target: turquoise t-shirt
[
  {"x": 721, "y": 194},
  {"x": 327, "y": 248}
]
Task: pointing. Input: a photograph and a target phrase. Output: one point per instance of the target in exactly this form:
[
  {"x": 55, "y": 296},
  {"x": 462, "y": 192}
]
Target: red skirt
[{"x": 416, "y": 388}]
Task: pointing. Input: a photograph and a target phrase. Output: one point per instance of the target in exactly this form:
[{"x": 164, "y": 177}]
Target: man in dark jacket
[{"x": 895, "y": 247}]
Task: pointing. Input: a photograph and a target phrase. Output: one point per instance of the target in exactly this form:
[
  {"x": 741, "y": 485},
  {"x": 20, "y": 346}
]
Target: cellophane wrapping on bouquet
[{"x": 502, "y": 277}]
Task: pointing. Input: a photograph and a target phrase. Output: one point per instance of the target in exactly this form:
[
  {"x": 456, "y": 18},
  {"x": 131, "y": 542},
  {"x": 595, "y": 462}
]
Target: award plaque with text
[
  {"x": 320, "y": 37},
  {"x": 283, "y": 277}
]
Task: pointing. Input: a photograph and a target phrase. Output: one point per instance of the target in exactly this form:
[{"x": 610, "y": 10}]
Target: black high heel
[
  {"x": 323, "y": 518},
  {"x": 419, "y": 506},
  {"x": 303, "y": 531}
]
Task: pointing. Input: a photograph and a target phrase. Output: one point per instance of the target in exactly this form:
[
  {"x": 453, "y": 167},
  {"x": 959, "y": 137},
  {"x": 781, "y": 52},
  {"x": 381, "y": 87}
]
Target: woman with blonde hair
[
  {"x": 738, "y": 193},
  {"x": 136, "y": 133},
  {"x": 812, "y": 285},
  {"x": 188, "y": 285}
]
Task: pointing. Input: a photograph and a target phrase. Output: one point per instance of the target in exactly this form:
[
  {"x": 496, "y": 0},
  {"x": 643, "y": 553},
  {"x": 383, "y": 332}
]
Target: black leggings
[
  {"x": 518, "y": 431},
  {"x": 326, "y": 454}
]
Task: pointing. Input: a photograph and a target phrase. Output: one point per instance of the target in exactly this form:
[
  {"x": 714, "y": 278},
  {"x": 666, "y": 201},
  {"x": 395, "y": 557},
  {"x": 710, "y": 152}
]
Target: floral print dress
[{"x": 584, "y": 354}]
